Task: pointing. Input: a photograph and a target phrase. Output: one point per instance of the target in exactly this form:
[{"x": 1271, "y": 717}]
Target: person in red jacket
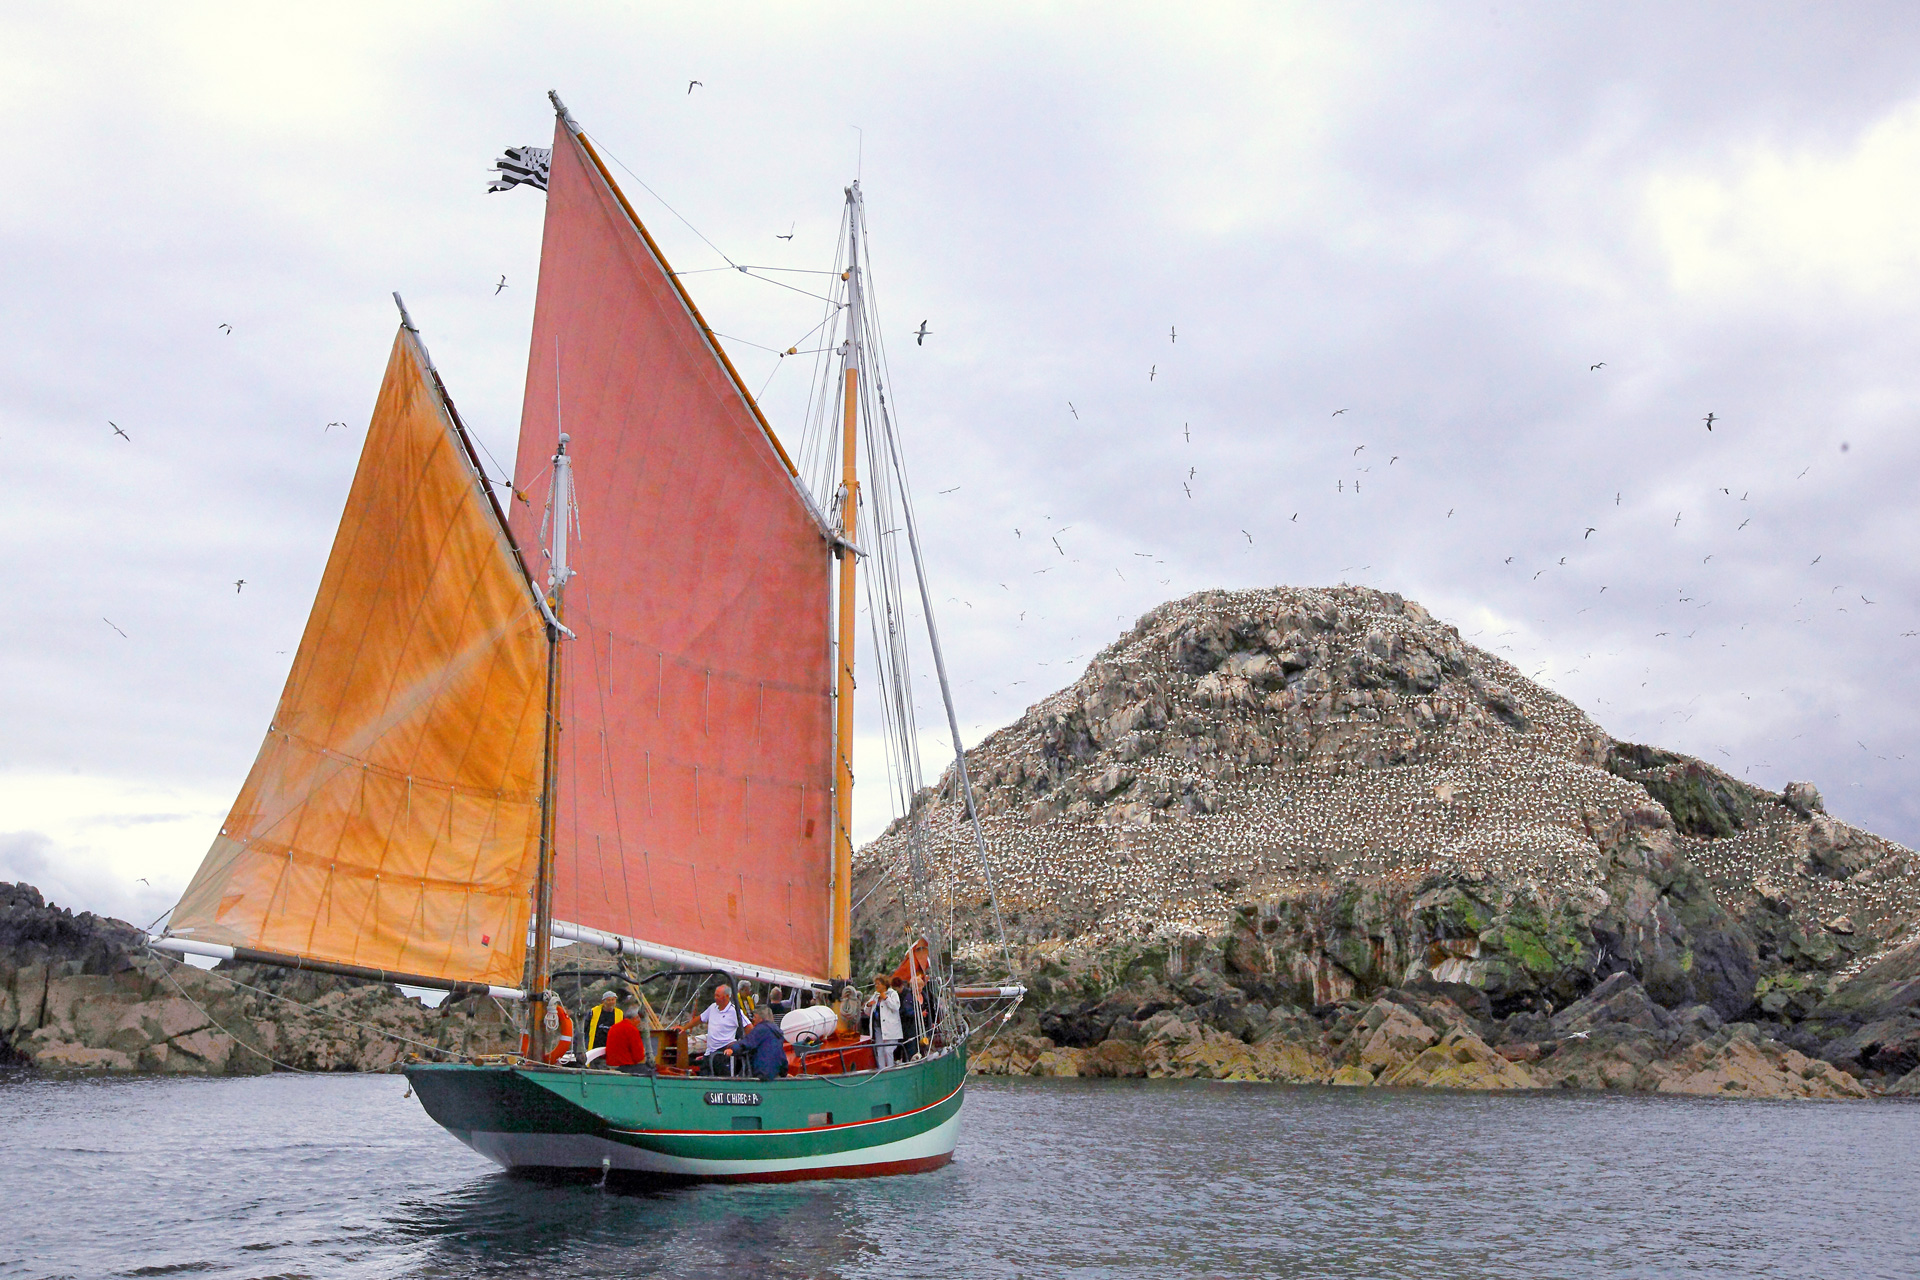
[
  {"x": 626, "y": 1045},
  {"x": 562, "y": 1044}
]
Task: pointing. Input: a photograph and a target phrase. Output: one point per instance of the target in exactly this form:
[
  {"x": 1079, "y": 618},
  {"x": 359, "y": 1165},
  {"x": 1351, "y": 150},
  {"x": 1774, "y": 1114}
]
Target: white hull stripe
[{"x": 586, "y": 1151}]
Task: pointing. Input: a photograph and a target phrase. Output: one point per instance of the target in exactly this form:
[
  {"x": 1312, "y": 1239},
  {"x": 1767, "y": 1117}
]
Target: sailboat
[{"x": 623, "y": 717}]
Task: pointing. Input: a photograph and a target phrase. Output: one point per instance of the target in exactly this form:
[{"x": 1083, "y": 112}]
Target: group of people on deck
[{"x": 743, "y": 1035}]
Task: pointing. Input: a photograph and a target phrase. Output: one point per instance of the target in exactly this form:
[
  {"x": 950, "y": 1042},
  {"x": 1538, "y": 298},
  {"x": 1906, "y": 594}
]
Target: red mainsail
[{"x": 695, "y": 755}]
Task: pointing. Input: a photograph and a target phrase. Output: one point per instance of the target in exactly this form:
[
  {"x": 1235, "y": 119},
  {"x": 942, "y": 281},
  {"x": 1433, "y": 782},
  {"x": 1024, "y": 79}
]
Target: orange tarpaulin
[
  {"x": 915, "y": 961},
  {"x": 391, "y": 819},
  {"x": 695, "y": 759}
]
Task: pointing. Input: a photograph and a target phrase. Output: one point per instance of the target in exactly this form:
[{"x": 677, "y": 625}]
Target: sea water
[{"x": 329, "y": 1176}]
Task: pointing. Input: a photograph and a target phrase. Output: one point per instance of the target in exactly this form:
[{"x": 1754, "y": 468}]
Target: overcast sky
[{"x": 1435, "y": 218}]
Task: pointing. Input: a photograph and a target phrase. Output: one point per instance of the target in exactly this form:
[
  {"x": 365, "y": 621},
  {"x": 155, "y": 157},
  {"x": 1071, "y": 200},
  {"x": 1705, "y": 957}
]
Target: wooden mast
[
  {"x": 839, "y": 957},
  {"x": 562, "y": 512}
]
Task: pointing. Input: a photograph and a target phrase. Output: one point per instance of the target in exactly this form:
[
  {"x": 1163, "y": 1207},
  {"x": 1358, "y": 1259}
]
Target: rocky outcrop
[
  {"x": 79, "y": 994},
  {"x": 1285, "y": 804}
]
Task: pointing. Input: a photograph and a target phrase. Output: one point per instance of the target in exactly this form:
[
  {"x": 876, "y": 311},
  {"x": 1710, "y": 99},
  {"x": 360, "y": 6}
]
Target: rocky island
[
  {"x": 1285, "y": 835},
  {"x": 1315, "y": 835}
]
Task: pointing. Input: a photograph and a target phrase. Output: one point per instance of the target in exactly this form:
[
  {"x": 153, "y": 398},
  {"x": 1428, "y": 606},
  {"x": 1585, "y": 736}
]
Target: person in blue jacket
[{"x": 766, "y": 1046}]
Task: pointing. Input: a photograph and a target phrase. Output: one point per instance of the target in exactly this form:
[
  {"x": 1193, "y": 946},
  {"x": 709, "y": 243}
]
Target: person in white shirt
[
  {"x": 724, "y": 1022},
  {"x": 884, "y": 1005}
]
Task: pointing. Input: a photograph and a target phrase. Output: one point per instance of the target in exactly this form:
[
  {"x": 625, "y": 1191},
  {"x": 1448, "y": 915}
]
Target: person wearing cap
[
  {"x": 600, "y": 1024},
  {"x": 766, "y": 1048}
]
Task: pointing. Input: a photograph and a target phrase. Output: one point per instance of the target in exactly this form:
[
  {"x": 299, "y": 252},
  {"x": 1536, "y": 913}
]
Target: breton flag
[{"x": 522, "y": 164}]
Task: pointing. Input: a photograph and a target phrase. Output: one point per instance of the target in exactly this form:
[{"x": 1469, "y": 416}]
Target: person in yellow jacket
[{"x": 599, "y": 1025}]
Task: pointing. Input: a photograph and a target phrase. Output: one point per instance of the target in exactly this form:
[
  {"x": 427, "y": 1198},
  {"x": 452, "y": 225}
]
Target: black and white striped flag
[{"x": 522, "y": 164}]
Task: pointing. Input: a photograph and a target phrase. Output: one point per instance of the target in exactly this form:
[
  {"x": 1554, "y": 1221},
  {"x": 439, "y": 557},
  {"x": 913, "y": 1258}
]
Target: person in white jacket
[{"x": 884, "y": 1006}]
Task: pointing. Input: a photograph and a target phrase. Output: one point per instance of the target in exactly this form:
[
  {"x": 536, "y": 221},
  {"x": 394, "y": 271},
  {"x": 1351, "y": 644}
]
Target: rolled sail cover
[
  {"x": 392, "y": 817},
  {"x": 695, "y": 758}
]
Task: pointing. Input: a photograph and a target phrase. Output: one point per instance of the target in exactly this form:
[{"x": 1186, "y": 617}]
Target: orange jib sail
[
  {"x": 694, "y": 766},
  {"x": 391, "y": 820}
]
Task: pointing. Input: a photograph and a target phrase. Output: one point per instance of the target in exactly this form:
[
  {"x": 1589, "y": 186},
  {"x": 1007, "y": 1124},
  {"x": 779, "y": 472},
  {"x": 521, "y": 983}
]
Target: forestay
[{"x": 391, "y": 819}]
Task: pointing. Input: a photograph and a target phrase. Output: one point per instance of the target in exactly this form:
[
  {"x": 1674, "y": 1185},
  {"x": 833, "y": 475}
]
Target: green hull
[{"x": 903, "y": 1120}]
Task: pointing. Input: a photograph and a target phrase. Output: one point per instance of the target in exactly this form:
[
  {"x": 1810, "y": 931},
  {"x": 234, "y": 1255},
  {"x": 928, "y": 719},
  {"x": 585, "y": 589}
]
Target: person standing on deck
[
  {"x": 600, "y": 1024},
  {"x": 909, "y": 1019},
  {"x": 724, "y": 1025},
  {"x": 884, "y": 1005}
]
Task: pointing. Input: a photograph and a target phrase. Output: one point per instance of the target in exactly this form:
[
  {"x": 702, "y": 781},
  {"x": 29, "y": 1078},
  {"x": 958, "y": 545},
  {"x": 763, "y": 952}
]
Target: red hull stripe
[
  {"x": 825, "y": 1128},
  {"x": 882, "y": 1170}
]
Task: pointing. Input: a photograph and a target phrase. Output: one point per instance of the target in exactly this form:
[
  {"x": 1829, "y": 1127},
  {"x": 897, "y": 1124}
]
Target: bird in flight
[
  {"x": 789, "y": 235},
  {"x": 1817, "y": 559},
  {"x": 143, "y": 880},
  {"x": 1563, "y": 561},
  {"x": 331, "y": 425},
  {"x": 1449, "y": 513},
  {"x": 1186, "y": 432},
  {"x": 1509, "y": 560},
  {"x": 227, "y": 329},
  {"x": 1395, "y": 458},
  {"x": 1356, "y": 452},
  {"x": 1592, "y": 367},
  {"x": 1864, "y": 600},
  {"x": 692, "y": 83},
  {"x": 1192, "y": 472},
  {"x": 1709, "y": 420},
  {"x": 1338, "y": 412},
  {"x": 1676, "y": 519},
  {"x": 1173, "y": 334},
  {"x": 1803, "y": 474},
  {"x": 955, "y": 489},
  {"x": 109, "y": 622},
  {"x": 1591, "y": 530},
  {"x": 498, "y": 287},
  {"x": 1296, "y": 518},
  {"x": 1076, "y": 412},
  {"x": 920, "y": 335},
  {"x": 1056, "y": 545},
  {"x": 1187, "y": 487},
  {"x": 1248, "y": 536},
  {"x": 239, "y": 583},
  {"x": 1744, "y": 523},
  {"x": 117, "y": 431},
  {"x": 1152, "y": 371}
]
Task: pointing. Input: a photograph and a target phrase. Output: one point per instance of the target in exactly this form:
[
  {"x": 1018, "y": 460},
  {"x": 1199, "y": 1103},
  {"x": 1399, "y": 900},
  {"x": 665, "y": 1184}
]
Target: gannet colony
[{"x": 1324, "y": 794}]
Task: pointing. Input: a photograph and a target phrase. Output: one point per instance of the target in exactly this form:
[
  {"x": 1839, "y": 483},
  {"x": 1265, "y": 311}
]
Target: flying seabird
[
  {"x": 117, "y": 431},
  {"x": 1592, "y": 367},
  {"x": 1709, "y": 420},
  {"x": 227, "y": 329},
  {"x": 692, "y": 83},
  {"x": 109, "y": 622},
  {"x": 920, "y": 335},
  {"x": 239, "y": 583},
  {"x": 497, "y": 288},
  {"x": 789, "y": 234},
  {"x": 1591, "y": 530}
]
